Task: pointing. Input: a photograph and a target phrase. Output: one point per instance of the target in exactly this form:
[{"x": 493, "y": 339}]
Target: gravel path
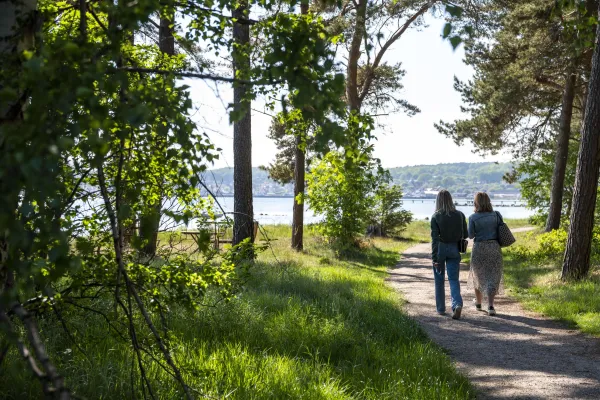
[{"x": 514, "y": 355}]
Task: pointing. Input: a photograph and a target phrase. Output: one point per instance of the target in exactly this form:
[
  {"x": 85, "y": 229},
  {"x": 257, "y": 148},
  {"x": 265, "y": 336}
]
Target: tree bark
[
  {"x": 576, "y": 262},
  {"x": 243, "y": 219},
  {"x": 299, "y": 180},
  {"x": 352, "y": 89},
  {"x": 562, "y": 154},
  {"x": 150, "y": 224},
  {"x": 166, "y": 40}
]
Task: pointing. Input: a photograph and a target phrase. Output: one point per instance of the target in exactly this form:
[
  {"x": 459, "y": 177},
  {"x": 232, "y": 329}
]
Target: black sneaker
[
  {"x": 478, "y": 307},
  {"x": 456, "y": 312},
  {"x": 491, "y": 311}
]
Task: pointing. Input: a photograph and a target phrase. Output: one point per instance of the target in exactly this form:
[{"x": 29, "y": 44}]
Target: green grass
[
  {"x": 539, "y": 288},
  {"x": 307, "y": 326},
  {"x": 418, "y": 231},
  {"x": 517, "y": 223}
]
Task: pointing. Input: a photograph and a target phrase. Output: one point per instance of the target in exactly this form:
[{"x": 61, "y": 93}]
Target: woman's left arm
[
  {"x": 471, "y": 228},
  {"x": 465, "y": 230}
]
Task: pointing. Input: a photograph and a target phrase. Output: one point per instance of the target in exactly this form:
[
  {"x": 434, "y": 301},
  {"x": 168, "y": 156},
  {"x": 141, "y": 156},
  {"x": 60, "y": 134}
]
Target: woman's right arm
[
  {"x": 435, "y": 239},
  {"x": 471, "y": 228}
]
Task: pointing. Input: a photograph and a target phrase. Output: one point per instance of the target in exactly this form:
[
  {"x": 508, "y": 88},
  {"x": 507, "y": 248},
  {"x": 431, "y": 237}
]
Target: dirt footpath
[{"x": 514, "y": 355}]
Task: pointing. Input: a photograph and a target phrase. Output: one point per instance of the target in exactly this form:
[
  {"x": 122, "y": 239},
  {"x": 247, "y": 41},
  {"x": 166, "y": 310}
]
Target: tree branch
[
  {"x": 547, "y": 82},
  {"x": 371, "y": 70},
  {"x": 216, "y": 13},
  {"x": 129, "y": 284},
  {"x": 51, "y": 374},
  {"x": 200, "y": 76},
  {"x": 83, "y": 20}
]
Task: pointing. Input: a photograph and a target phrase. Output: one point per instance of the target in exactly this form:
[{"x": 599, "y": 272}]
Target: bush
[
  {"x": 342, "y": 196},
  {"x": 387, "y": 217},
  {"x": 550, "y": 248}
]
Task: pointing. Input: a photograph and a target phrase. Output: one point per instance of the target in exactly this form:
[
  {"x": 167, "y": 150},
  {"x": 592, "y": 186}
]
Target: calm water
[{"x": 279, "y": 210}]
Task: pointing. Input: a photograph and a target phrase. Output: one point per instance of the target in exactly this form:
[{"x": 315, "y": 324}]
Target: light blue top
[{"x": 484, "y": 226}]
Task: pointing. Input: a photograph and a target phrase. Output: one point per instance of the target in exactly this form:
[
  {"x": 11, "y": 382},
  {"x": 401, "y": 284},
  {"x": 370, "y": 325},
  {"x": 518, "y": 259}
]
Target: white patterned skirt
[{"x": 486, "y": 273}]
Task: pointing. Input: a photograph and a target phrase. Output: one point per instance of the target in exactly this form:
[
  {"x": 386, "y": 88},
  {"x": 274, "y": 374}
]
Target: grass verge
[
  {"x": 537, "y": 285},
  {"x": 307, "y": 326}
]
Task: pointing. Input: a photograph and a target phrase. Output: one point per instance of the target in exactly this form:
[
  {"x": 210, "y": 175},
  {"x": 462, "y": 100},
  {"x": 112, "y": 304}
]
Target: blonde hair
[
  {"x": 482, "y": 203},
  {"x": 444, "y": 203}
]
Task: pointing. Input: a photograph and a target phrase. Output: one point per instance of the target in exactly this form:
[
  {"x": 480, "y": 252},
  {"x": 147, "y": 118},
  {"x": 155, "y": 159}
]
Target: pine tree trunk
[
  {"x": 576, "y": 262},
  {"x": 151, "y": 222},
  {"x": 562, "y": 154},
  {"x": 298, "y": 217},
  {"x": 243, "y": 219},
  {"x": 352, "y": 89},
  {"x": 299, "y": 181}
]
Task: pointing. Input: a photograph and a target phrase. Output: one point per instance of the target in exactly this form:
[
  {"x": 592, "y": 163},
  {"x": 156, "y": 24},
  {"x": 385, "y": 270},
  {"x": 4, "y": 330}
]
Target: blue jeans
[{"x": 448, "y": 259}]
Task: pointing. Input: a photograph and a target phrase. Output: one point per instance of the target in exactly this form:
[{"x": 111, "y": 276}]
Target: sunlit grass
[
  {"x": 307, "y": 326},
  {"x": 517, "y": 222},
  {"x": 539, "y": 288}
]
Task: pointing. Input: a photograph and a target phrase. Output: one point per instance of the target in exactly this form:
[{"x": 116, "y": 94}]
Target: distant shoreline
[{"x": 266, "y": 196}]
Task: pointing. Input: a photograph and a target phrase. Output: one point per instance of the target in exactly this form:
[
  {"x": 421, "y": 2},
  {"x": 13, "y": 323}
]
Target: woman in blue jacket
[{"x": 485, "y": 275}]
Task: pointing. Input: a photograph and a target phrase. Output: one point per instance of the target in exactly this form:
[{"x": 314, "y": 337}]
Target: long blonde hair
[
  {"x": 482, "y": 203},
  {"x": 444, "y": 203}
]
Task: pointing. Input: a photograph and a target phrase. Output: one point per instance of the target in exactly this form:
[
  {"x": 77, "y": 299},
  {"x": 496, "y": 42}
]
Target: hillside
[
  {"x": 459, "y": 178},
  {"x": 462, "y": 179}
]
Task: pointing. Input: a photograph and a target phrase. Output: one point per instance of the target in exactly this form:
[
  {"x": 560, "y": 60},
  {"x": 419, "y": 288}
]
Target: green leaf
[
  {"x": 447, "y": 30},
  {"x": 455, "y": 41}
]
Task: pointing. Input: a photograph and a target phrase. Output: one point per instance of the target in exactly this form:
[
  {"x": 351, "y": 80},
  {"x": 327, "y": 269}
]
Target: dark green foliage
[
  {"x": 387, "y": 216},
  {"x": 514, "y": 99},
  {"x": 535, "y": 176},
  {"x": 105, "y": 140}
]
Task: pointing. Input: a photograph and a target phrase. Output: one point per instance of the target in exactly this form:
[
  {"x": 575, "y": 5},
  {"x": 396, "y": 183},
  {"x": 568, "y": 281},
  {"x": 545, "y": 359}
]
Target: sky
[{"x": 430, "y": 64}]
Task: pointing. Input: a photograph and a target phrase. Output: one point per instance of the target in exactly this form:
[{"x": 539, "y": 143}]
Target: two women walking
[{"x": 448, "y": 229}]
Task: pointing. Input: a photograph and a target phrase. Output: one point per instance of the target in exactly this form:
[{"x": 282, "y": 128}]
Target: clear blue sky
[{"x": 430, "y": 64}]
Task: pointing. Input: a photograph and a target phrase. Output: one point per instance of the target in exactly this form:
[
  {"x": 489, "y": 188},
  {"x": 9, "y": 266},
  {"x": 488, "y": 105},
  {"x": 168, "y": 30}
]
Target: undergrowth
[
  {"x": 532, "y": 270},
  {"x": 307, "y": 326}
]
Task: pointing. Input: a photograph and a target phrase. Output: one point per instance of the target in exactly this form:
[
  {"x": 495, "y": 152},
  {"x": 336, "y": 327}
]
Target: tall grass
[
  {"x": 307, "y": 326},
  {"x": 538, "y": 286}
]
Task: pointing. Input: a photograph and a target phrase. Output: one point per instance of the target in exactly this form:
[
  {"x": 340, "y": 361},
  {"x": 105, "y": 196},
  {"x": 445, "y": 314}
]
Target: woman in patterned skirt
[{"x": 485, "y": 275}]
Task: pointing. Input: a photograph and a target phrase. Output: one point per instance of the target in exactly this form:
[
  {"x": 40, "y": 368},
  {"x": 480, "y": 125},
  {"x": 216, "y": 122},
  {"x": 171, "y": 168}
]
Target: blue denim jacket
[{"x": 484, "y": 226}]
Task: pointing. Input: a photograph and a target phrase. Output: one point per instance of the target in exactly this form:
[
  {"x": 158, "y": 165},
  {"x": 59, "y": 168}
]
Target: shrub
[{"x": 387, "y": 217}]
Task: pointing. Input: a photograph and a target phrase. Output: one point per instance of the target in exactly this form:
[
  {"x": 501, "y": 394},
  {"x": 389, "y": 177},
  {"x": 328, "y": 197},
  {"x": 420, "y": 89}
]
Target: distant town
[{"x": 418, "y": 182}]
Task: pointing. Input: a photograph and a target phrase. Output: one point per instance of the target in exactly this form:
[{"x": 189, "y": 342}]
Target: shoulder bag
[
  {"x": 505, "y": 236},
  {"x": 462, "y": 243}
]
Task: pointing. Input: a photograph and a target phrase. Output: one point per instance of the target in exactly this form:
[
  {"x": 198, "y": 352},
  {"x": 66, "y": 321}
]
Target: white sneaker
[{"x": 491, "y": 311}]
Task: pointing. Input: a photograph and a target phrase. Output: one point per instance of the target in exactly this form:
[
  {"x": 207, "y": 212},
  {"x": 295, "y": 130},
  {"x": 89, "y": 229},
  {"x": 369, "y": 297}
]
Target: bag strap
[
  {"x": 499, "y": 218},
  {"x": 462, "y": 226}
]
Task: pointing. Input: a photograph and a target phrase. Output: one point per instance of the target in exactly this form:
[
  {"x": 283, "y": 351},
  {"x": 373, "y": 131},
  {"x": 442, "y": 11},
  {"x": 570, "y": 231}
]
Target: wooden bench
[{"x": 219, "y": 232}]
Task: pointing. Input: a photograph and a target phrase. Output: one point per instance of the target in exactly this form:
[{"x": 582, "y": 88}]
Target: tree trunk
[
  {"x": 243, "y": 219},
  {"x": 352, "y": 90},
  {"x": 576, "y": 263},
  {"x": 298, "y": 218},
  {"x": 150, "y": 224},
  {"x": 562, "y": 154},
  {"x": 299, "y": 180},
  {"x": 166, "y": 40},
  {"x": 11, "y": 112}
]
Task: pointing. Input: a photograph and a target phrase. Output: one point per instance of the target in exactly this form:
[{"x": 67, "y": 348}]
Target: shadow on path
[{"x": 515, "y": 355}]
